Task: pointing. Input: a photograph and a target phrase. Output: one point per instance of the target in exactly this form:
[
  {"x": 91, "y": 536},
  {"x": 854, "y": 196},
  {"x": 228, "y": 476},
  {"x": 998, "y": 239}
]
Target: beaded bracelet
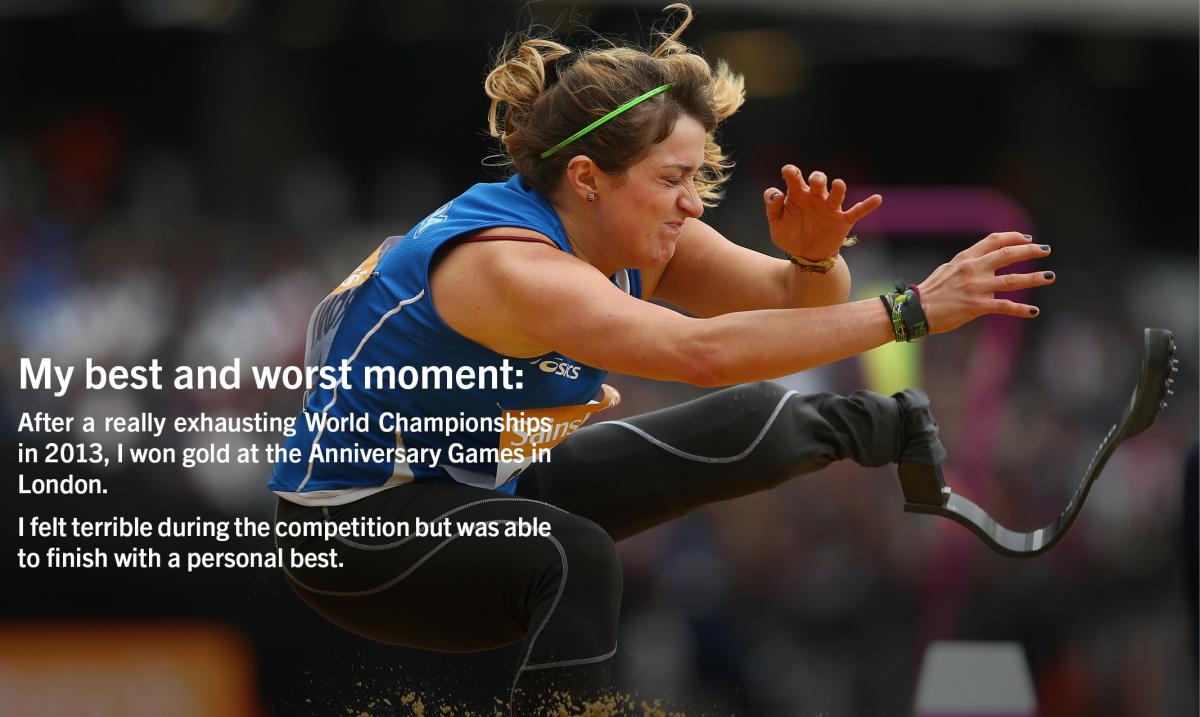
[
  {"x": 817, "y": 267},
  {"x": 821, "y": 266}
]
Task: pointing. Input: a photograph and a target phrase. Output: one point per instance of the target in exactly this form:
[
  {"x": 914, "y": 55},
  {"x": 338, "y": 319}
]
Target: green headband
[{"x": 631, "y": 103}]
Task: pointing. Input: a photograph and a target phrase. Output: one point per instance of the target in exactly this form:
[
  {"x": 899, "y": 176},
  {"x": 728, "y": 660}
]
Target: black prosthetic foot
[{"x": 925, "y": 489}]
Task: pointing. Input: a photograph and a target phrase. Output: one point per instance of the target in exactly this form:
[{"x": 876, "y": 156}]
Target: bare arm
[
  {"x": 805, "y": 219},
  {"x": 527, "y": 299},
  {"x": 710, "y": 275}
]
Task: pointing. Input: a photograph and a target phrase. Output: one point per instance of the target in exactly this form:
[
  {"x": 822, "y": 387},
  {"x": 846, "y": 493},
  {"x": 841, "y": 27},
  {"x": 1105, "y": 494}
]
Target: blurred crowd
[{"x": 144, "y": 220}]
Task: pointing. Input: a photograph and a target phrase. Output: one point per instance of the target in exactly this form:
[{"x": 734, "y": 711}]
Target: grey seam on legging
[
  {"x": 402, "y": 541},
  {"x": 380, "y": 588},
  {"x": 406, "y": 573},
  {"x": 562, "y": 585},
  {"x": 707, "y": 459},
  {"x": 573, "y": 663}
]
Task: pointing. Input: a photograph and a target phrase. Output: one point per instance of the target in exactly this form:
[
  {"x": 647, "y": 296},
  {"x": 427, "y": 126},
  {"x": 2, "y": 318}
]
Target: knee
[
  {"x": 760, "y": 392},
  {"x": 748, "y": 403},
  {"x": 582, "y": 602},
  {"x": 592, "y": 564}
]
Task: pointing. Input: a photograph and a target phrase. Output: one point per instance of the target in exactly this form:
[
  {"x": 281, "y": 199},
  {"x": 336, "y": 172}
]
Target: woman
[{"x": 548, "y": 273}]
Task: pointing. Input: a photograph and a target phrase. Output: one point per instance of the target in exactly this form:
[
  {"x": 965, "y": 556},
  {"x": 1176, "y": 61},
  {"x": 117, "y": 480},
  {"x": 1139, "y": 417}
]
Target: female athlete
[{"x": 484, "y": 333}]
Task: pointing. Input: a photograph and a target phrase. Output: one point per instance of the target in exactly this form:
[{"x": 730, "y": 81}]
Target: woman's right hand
[{"x": 963, "y": 289}]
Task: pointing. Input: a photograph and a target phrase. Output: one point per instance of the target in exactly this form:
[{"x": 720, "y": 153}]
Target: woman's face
[{"x": 642, "y": 212}]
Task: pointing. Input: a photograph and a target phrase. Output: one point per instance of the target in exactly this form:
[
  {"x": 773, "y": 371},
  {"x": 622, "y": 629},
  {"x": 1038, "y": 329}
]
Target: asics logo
[
  {"x": 558, "y": 368},
  {"x": 440, "y": 215}
]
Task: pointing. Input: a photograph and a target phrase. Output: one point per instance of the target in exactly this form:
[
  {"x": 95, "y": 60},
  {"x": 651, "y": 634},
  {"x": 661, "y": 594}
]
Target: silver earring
[{"x": 591, "y": 196}]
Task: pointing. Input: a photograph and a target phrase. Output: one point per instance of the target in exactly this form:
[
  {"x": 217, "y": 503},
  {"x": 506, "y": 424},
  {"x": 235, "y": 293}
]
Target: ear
[{"x": 582, "y": 176}]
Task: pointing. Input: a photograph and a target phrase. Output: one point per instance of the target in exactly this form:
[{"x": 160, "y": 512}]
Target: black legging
[{"x": 560, "y": 595}]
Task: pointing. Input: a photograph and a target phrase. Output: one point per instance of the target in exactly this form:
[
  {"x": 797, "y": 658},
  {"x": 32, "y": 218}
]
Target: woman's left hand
[{"x": 808, "y": 220}]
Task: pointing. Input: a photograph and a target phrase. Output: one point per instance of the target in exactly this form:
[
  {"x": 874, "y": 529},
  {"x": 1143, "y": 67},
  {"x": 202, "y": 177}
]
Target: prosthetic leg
[{"x": 925, "y": 489}]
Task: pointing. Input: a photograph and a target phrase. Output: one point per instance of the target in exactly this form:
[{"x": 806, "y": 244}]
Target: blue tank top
[{"x": 385, "y": 414}]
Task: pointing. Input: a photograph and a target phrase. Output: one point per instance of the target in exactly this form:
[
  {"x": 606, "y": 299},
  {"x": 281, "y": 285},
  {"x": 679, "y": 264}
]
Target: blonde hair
[{"x": 543, "y": 92}]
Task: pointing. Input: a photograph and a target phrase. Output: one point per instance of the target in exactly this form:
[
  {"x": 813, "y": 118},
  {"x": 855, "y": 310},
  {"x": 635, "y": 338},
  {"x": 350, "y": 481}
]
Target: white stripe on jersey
[{"x": 357, "y": 349}]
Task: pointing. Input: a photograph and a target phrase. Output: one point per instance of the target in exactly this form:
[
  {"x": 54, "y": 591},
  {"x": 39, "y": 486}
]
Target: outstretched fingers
[
  {"x": 1006, "y": 256},
  {"x": 795, "y": 179},
  {"x": 965, "y": 288},
  {"x": 774, "y": 201},
  {"x": 837, "y": 193},
  {"x": 1017, "y": 282},
  {"x": 817, "y": 181},
  {"x": 863, "y": 208},
  {"x": 1011, "y": 253},
  {"x": 992, "y": 242},
  {"x": 1012, "y": 308}
]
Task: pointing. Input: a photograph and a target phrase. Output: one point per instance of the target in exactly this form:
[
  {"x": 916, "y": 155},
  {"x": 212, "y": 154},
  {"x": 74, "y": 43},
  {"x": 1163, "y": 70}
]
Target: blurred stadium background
[{"x": 185, "y": 179}]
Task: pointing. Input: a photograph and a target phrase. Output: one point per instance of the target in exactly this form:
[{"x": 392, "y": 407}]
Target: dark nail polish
[
  {"x": 1027, "y": 237},
  {"x": 1048, "y": 275},
  {"x": 1044, "y": 247},
  {"x": 1033, "y": 312}
]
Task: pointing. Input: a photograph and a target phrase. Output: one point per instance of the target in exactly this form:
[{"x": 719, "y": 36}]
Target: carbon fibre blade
[{"x": 920, "y": 483}]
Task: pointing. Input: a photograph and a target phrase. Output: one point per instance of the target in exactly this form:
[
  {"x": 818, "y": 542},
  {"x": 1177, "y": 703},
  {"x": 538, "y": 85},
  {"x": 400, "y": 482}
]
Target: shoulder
[
  {"x": 498, "y": 235},
  {"x": 489, "y": 289},
  {"x": 511, "y": 256}
]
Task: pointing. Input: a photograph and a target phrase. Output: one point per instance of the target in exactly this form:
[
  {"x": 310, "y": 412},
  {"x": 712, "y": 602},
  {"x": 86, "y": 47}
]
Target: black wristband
[
  {"x": 908, "y": 317},
  {"x": 908, "y": 306}
]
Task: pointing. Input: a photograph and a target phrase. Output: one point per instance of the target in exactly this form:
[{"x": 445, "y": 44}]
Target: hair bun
[
  {"x": 560, "y": 65},
  {"x": 519, "y": 78}
]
